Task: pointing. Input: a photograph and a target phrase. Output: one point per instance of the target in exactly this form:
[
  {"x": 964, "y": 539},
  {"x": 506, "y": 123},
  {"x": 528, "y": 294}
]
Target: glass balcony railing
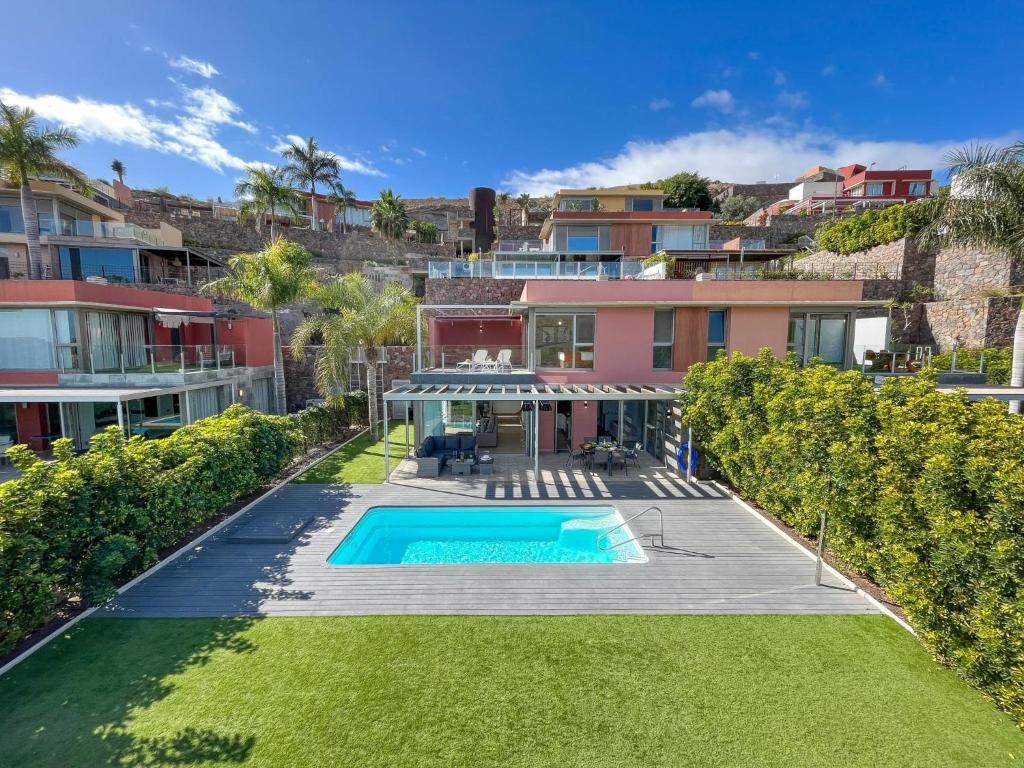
[
  {"x": 160, "y": 358},
  {"x": 543, "y": 270},
  {"x": 474, "y": 358}
]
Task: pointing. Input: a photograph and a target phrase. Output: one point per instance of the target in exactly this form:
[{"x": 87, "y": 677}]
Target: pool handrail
[{"x": 659, "y": 536}]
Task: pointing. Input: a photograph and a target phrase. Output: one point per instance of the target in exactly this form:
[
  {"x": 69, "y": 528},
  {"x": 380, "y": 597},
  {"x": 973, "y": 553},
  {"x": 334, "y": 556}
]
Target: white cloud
[
  {"x": 754, "y": 55},
  {"x": 117, "y": 123},
  {"x": 201, "y": 68},
  {"x": 193, "y": 136},
  {"x": 742, "y": 155},
  {"x": 418, "y": 151},
  {"x": 828, "y": 70},
  {"x": 211, "y": 106},
  {"x": 657, "y": 105},
  {"x": 721, "y": 100},
  {"x": 779, "y": 78},
  {"x": 792, "y": 99},
  {"x": 881, "y": 81}
]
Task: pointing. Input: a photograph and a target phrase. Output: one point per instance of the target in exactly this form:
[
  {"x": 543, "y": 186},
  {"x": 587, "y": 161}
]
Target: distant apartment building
[
  {"x": 109, "y": 329},
  {"x": 854, "y": 188}
]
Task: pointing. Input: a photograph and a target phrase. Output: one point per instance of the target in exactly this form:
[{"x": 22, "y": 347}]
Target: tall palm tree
[
  {"x": 265, "y": 189},
  {"x": 275, "y": 277},
  {"x": 308, "y": 165},
  {"x": 524, "y": 206},
  {"x": 984, "y": 208},
  {"x": 118, "y": 167},
  {"x": 27, "y": 150},
  {"x": 357, "y": 315},
  {"x": 343, "y": 199},
  {"x": 389, "y": 215}
]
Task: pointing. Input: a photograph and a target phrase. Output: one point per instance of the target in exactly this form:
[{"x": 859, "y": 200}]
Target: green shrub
[
  {"x": 80, "y": 524},
  {"x": 871, "y": 228},
  {"x": 925, "y": 492},
  {"x": 997, "y": 362}
]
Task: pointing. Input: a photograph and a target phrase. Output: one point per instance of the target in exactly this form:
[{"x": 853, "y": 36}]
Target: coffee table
[{"x": 461, "y": 466}]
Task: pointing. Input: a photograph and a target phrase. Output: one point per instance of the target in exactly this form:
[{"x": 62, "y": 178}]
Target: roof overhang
[
  {"x": 533, "y": 392},
  {"x": 701, "y": 303}
]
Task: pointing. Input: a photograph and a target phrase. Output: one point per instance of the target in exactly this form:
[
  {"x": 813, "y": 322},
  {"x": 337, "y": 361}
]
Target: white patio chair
[
  {"x": 504, "y": 361},
  {"x": 479, "y": 360}
]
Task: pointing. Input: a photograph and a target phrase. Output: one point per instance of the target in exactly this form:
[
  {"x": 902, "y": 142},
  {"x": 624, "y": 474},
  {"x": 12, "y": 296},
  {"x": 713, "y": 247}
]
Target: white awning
[
  {"x": 78, "y": 394},
  {"x": 534, "y": 392}
]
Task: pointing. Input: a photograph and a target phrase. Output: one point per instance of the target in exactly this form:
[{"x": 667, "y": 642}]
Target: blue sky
[{"x": 433, "y": 98}]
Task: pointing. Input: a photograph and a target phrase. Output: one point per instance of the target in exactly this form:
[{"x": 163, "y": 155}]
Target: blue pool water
[{"x": 439, "y": 535}]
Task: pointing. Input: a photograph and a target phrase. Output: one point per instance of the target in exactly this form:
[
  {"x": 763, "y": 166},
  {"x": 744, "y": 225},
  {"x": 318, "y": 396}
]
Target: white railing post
[{"x": 152, "y": 360}]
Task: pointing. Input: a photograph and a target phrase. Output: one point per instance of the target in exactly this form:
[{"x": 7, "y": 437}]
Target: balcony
[
  {"x": 541, "y": 270},
  {"x": 469, "y": 364},
  {"x": 156, "y": 364},
  {"x": 162, "y": 273}
]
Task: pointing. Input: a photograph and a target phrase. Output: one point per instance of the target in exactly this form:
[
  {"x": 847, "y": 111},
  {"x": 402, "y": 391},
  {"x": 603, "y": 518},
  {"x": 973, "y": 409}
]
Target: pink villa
[{"x": 571, "y": 361}]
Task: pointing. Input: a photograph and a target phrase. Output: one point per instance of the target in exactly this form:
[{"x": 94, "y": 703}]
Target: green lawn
[
  {"x": 588, "y": 691},
  {"x": 360, "y": 461}
]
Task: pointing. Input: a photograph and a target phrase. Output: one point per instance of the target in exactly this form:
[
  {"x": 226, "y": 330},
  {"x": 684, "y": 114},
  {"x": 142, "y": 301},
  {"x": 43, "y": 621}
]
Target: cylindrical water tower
[{"x": 481, "y": 202}]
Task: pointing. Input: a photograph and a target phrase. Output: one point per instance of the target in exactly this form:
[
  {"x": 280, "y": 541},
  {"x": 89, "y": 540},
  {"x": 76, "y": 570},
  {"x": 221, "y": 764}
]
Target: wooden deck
[{"x": 718, "y": 558}]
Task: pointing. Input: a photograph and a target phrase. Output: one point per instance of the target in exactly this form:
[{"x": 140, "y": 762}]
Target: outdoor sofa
[{"x": 436, "y": 450}]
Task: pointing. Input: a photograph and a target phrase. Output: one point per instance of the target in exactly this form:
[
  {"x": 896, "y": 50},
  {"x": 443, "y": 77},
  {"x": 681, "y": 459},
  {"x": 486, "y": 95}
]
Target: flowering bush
[{"x": 925, "y": 493}]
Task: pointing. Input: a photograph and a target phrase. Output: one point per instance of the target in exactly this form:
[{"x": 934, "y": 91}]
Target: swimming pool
[{"x": 465, "y": 535}]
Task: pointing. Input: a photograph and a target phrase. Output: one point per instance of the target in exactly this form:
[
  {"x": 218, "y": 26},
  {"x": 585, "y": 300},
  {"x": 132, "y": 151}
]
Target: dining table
[{"x": 611, "y": 450}]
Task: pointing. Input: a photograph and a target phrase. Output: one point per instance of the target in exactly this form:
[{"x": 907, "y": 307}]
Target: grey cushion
[
  {"x": 451, "y": 443},
  {"x": 467, "y": 443}
]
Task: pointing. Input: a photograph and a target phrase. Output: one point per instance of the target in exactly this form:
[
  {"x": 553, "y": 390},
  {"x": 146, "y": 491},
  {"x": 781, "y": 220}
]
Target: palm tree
[
  {"x": 524, "y": 206},
  {"x": 389, "y": 215},
  {"x": 27, "y": 150},
  {"x": 265, "y": 189},
  {"x": 308, "y": 165},
  {"x": 504, "y": 202},
  {"x": 118, "y": 167},
  {"x": 343, "y": 199},
  {"x": 357, "y": 315},
  {"x": 275, "y": 277},
  {"x": 984, "y": 208}
]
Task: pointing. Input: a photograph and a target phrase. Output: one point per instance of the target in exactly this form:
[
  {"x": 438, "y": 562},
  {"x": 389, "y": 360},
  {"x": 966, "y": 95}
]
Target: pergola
[{"x": 527, "y": 393}]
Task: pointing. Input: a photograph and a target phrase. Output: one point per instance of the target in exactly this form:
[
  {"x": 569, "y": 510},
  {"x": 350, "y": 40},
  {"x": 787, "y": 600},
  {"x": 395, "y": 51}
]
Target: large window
[
  {"x": 583, "y": 239},
  {"x": 565, "y": 341},
  {"x": 115, "y": 264},
  {"x": 919, "y": 187},
  {"x": 8, "y": 423},
  {"x": 676, "y": 237},
  {"x": 10, "y": 217},
  {"x": 579, "y": 204},
  {"x": 874, "y": 189},
  {"x": 716, "y": 332},
  {"x": 818, "y": 335},
  {"x": 26, "y": 339},
  {"x": 642, "y": 204},
  {"x": 664, "y": 335}
]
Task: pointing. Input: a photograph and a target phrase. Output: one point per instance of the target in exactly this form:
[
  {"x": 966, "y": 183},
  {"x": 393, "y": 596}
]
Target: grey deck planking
[{"x": 718, "y": 559}]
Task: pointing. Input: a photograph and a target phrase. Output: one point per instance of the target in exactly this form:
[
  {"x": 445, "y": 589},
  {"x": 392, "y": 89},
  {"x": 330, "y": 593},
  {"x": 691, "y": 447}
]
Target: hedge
[
  {"x": 998, "y": 361},
  {"x": 871, "y": 228},
  {"x": 925, "y": 493},
  {"x": 81, "y": 524}
]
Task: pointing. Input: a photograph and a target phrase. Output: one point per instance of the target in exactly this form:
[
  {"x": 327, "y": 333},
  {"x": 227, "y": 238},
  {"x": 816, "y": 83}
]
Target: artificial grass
[
  {"x": 615, "y": 691},
  {"x": 360, "y": 461}
]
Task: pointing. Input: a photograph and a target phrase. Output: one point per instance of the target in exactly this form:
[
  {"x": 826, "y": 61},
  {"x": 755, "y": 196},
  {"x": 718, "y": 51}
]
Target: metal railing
[
  {"x": 166, "y": 358},
  {"x": 660, "y": 537},
  {"x": 110, "y": 274},
  {"x": 542, "y": 270},
  {"x": 519, "y": 246},
  {"x": 474, "y": 358}
]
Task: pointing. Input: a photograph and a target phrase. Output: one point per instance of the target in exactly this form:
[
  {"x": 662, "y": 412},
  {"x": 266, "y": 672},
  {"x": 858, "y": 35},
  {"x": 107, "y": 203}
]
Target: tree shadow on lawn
[{"x": 74, "y": 701}]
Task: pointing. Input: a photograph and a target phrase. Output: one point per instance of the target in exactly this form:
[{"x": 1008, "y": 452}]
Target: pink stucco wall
[
  {"x": 751, "y": 328},
  {"x": 584, "y": 292},
  {"x": 584, "y": 421}
]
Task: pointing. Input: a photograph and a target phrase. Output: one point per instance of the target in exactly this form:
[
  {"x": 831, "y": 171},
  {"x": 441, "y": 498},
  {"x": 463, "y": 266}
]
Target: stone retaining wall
[
  {"x": 333, "y": 247},
  {"x": 473, "y": 290},
  {"x": 782, "y": 230},
  {"x": 961, "y": 272}
]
